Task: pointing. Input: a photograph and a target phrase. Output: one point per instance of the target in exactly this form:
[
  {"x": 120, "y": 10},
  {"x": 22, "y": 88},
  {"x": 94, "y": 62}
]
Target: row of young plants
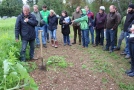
[{"x": 13, "y": 74}]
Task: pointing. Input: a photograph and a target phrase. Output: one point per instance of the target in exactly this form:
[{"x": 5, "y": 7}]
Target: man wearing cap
[
  {"x": 111, "y": 25},
  {"x": 129, "y": 19},
  {"x": 99, "y": 25}
]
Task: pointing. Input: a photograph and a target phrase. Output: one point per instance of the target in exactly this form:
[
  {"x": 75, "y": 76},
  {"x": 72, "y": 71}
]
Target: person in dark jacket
[
  {"x": 131, "y": 48},
  {"x": 111, "y": 25},
  {"x": 52, "y": 27},
  {"x": 65, "y": 21},
  {"x": 25, "y": 27},
  {"x": 129, "y": 19},
  {"x": 100, "y": 21}
]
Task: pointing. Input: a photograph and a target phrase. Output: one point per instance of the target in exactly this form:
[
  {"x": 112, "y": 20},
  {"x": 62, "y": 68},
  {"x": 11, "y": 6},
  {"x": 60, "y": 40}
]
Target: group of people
[{"x": 84, "y": 23}]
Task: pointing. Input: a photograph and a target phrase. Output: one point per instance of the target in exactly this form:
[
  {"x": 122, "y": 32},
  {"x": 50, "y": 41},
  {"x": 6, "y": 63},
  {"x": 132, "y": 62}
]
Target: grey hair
[
  {"x": 26, "y": 6},
  {"x": 35, "y": 6}
]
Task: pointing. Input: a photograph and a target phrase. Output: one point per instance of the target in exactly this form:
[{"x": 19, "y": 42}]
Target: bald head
[
  {"x": 26, "y": 10},
  {"x": 112, "y": 8}
]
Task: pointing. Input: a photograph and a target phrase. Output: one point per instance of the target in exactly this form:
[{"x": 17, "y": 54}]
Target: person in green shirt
[
  {"x": 84, "y": 27},
  {"x": 122, "y": 35},
  {"x": 45, "y": 13}
]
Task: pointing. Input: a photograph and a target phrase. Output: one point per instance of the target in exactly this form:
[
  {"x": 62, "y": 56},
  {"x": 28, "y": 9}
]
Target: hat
[
  {"x": 131, "y": 6},
  {"x": 102, "y": 7}
]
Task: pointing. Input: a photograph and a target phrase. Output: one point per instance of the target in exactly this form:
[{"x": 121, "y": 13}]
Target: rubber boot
[{"x": 52, "y": 42}]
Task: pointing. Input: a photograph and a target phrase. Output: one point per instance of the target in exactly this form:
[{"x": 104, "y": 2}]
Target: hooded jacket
[
  {"x": 45, "y": 15},
  {"x": 25, "y": 29},
  {"x": 83, "y": 20}
]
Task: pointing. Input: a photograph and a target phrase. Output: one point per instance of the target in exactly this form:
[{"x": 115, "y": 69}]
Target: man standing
[
  {"x": 45, "y": 13},
  {"x": 111, "y": 25},
  {"x": 25, "y": 27},
  {"x": 100, "y": 21},
  {"x": 38, "y": 16},
  {"x": 129, "y": 19},
  {"x": 76, "y": 26},
  {"x": 90, "y": 23}
]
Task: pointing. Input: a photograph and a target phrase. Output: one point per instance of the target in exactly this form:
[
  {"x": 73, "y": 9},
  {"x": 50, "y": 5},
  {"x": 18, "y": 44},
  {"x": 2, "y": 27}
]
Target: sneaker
[
  {"x": 79, "y": 43},
  {"x": 123, "y": 53},
  {"x": 74, "y": 43},
  {"x": 110, "y": 51},
  {"x": 105, "y": 49},
  {"x": 69, "y": 44},
  {"x": 64, "y": 44},
  {"x": 117, "y": 49},
  {"x": 44, "y": 45},
  {"x": 47, "y": 41},
  {"x": 127, "y": 56},
  {"x": 128, "y": 71},
  {"x": 131, "y": 74},
  {"x": 34, "y": 58},
  {"x": 95, "y": 45}
]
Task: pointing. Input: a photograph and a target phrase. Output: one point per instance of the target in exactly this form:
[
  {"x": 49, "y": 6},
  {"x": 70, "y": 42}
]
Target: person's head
[
  {"x": 52, "y": 13},
  {"x": 78, "y": 9},
  {"x": 26, "y": 10},
  {"x": 102, "y": 9},
  {"x": 130, "y": 8},
  {"x": 35, "y": 8},
  {"x": 44, "y": 7},
  {"x": 83, "y": 11},
  {"x": 112, "y": 8},
  {"x": 64, "y": 14},
  {"x": 87, "y": 8}
]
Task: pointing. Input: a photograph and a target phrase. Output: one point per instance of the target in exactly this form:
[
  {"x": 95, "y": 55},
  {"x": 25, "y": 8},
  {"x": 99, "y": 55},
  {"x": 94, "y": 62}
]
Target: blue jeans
[
  {"x": 37, "y": 35},
  {"x": 131, "y": 47},
  {"x": 92, "y": 34},
  {"x": 85, "y": 37},
  {"x": 23, "y": 49},
  {"x": 53, "y": 34},
  {"x": 46, "y": 32},
  {"x": 110, "y": 38},
  {"x": 122, "y": 36},
  {"x": 66, "y": 39},
  {"x": 127, "y": 51}
]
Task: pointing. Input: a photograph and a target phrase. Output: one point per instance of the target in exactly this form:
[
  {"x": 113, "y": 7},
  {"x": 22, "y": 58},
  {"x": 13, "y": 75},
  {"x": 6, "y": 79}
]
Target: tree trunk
[{"x": 119, "y": 6}]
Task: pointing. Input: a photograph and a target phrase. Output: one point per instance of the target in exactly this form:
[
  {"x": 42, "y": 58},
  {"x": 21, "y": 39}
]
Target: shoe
[
  {"x": 44, "y": 45},
  {"x": 34, "y": 58},
  {"x": 95, "y": 45},
  {"x": 105, "y": 49},
  {"x": 37, "y": 46},
  {"x": 64, "y": 44},
  {"x": 123, "y": 53},
  {"x": 47, "y": 41},
  {"x": 131, "y": 74},
  {"x": 74, "y": 43},
  {"x": 56, "y": 44},
  {"x": 52, "y": 42},
  {"x": 117, "y": 49},
  {"x": 127, "y": 56},
  {"x": 79, "y": 43},
  {"x": 111, "y": 51},
  {"x": 69, "y": 44},
  {"x": 128, "y": 71}
]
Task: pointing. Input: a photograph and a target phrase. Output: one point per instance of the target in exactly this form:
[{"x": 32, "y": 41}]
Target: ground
[{"x": 89, "y": 69}]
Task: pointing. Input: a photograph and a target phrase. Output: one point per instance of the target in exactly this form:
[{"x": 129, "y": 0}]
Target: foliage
[
  {"x": 12, "y": 74},
  {"x": 11, "y": 7},
  {"x": 57, "y": 61}
]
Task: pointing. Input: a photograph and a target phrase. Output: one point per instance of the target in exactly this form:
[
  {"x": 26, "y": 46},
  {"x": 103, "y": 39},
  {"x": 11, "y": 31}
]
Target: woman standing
[
  {"x": 52, "y": 27},
  {"x": 65, "y": 21}
]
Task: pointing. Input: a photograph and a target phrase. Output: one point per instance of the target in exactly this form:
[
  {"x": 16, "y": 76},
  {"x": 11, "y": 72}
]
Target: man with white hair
[
  {"x": 25, "y": 27},
  {"x": 40, "y": 26},
  {"x": 99, "y": 25}
]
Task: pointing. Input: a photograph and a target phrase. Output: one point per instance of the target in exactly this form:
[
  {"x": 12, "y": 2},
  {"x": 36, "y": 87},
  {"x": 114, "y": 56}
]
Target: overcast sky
[{"x": 24, "y": 1}]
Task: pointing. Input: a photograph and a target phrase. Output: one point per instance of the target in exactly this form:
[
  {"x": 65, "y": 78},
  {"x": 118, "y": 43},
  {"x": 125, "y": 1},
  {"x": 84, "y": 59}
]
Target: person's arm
[
  {"x": 32, "y": 21},
  {"x": 80, "y": 19},
  {"x": 61, "y": 21},
  {"x": 116, "y": 23},
  {"x": 52, "y": 21},
  {"x": 17, "y": 28},
  {"x": 73, "y": 16}
]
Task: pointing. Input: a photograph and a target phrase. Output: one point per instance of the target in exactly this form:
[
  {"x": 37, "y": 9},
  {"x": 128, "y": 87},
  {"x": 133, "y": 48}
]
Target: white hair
[
  {"x": 26, "y": 6},
  {"x": 52, "y": 12}
]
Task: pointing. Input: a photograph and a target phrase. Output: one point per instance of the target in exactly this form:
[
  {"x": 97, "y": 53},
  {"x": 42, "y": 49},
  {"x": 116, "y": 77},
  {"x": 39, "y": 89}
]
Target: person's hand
[
  {"x": 26, "y": 20},
  {"x": 64, "y": 22},
  {"x": 112, "y": 29},
  {"x": 104, "y": 29},
  {"x": 131, "y": 29},
  {"x": 72, "y": 21},
  {"x": 17, "y": 40}
]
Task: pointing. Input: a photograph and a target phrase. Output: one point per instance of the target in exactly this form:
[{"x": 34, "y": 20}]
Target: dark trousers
[
  {"x": 77, "y": 29},
  {"x": 99, "y": 36},
  {"x": 131, "y": 48},
  {"x": 116, "y": 37},
  {"x": 110, "y": 39},
  {"x": 23, "y": 49}
]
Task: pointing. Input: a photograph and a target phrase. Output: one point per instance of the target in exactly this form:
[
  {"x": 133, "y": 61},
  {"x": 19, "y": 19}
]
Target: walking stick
[{"x": 43, "y": 67}]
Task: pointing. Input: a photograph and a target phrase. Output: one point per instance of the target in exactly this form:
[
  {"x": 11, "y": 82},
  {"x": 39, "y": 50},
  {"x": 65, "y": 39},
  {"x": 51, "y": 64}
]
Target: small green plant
[
  {"x": 84, "y": 66},
  {"x": 57, "y": 61}
]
